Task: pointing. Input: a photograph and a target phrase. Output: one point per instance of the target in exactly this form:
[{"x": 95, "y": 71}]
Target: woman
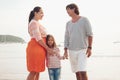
[{"x": 36, "y": 49}]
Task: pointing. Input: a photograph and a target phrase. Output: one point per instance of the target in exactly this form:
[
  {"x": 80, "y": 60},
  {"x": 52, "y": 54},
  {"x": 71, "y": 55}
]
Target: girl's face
[{"x": 50, "y": 41}]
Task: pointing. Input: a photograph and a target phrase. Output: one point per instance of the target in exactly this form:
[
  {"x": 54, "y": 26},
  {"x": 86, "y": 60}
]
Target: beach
[{"x": 13, "y": 65}]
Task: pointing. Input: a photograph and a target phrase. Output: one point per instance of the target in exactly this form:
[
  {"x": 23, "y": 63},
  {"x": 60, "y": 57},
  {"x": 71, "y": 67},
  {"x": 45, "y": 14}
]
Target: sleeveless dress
[{"x": 35, "y": 53}]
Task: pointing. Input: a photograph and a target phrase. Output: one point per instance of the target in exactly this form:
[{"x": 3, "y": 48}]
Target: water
[
  {"x": 103, "y": 65},
  {"x": 12, "y": 61}
]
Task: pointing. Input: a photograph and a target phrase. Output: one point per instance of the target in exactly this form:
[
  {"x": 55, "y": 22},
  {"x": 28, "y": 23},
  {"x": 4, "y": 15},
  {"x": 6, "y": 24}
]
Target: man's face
[{"x": 70, "y": 11}]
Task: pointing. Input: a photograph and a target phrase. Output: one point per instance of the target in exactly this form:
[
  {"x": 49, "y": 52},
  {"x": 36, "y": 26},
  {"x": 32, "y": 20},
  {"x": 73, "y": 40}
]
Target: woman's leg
[
  {"x": 37, "y": 76},
  {"x": 31, "y": 76}
]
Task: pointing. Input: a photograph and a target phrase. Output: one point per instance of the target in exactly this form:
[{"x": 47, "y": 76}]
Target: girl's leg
[
  {"x": 57, "y": 73},
  {"x": 51, "y": 73},
  {"x": 37, "y": 76},
  {"x": 31, "y": 76}
]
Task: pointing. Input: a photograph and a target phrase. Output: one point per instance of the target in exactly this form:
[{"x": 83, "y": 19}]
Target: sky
[{"x": 104, "y": 16}]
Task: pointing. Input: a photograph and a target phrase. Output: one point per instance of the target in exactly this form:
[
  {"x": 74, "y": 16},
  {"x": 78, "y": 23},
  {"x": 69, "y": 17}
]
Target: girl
[{"x": 53, "y": 61}]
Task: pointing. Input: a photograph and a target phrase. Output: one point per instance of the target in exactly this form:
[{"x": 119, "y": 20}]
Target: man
[{"x": 78, "y": 40}]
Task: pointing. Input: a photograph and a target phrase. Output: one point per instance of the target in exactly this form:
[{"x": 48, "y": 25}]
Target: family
[{"x": 42, "y": 50}]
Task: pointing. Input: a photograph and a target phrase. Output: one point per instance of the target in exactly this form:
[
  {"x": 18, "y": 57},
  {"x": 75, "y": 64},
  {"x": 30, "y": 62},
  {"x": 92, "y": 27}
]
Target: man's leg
[
  {"x": 84, "y": 75},
  {"x": 78, "y": 76}
]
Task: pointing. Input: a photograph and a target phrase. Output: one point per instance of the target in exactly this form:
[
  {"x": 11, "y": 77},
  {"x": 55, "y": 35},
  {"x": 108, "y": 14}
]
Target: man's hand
[
  {"x": 88, "y": 53},
  {"x": 66, "y": 55}
]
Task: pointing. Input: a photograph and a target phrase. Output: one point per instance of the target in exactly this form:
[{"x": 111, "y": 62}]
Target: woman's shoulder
[{"x": 33, "y": 23}]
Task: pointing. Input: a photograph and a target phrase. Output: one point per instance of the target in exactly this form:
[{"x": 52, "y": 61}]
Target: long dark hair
[
  {"x": 31, "y": 15},
  {"x": 73, "y": 6},
  {"x": 47, "y": 38}
]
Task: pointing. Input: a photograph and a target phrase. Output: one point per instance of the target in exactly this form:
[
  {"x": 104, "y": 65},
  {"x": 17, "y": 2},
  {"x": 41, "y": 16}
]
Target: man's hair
[{"x": 73, "y": 6}]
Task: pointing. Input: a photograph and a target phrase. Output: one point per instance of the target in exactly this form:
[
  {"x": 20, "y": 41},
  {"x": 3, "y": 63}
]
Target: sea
[{"x": 104, "y": 64}]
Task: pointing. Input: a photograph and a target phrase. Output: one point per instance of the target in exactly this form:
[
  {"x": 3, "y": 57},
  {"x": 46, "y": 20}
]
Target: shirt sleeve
[
  {"x": 35, "y": 31},
  {"x": 88, "y": 27},
  {"x": 66, "y": 37}
]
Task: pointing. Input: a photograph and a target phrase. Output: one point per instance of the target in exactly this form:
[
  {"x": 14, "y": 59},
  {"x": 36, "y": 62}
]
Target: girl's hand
[{"x": 63, "y": 57}]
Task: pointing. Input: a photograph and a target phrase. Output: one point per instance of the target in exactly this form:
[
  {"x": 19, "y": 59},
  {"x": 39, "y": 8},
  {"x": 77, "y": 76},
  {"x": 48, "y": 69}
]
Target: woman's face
[
  {"x": 50, "y": 41},
  {"x": 40, "y": 14}
]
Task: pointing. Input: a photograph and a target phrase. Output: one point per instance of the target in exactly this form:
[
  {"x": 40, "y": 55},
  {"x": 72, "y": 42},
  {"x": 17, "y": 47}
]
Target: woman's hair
[
  {"x": 73, "y": 6},
  {"x": 31, "y": 15},
  {"x": 47, "y": 38}
]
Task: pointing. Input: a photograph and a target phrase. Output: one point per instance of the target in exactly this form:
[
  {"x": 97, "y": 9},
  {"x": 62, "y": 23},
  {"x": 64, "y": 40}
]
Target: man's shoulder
[
  {"x": 83, "y": 17},
  {"x": 68, "y": 21}
]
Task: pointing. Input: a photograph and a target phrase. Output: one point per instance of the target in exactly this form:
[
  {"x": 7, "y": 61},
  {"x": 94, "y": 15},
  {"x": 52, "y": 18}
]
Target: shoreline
[
  {"x": 13, "y": 65},
  {"x": 98, "y": 69}
]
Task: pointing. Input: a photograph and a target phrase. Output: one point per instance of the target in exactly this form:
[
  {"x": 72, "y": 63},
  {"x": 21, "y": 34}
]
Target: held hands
[{"x": 65, "y": 55}]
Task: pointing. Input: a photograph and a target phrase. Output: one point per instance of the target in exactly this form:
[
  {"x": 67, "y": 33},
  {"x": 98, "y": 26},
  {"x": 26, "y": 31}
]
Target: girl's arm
[{"x": 57, "y": 51}]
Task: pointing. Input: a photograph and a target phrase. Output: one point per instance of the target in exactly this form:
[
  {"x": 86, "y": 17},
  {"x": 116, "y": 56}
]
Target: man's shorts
[{"x": 78, "y": 60}]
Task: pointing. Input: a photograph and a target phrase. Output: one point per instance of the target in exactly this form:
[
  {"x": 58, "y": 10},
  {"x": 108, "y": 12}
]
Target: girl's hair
[
  {"x": 73, "y": 6},
  {"x": 31, "y": 15},
  {"x": 47, "y": 38}
]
